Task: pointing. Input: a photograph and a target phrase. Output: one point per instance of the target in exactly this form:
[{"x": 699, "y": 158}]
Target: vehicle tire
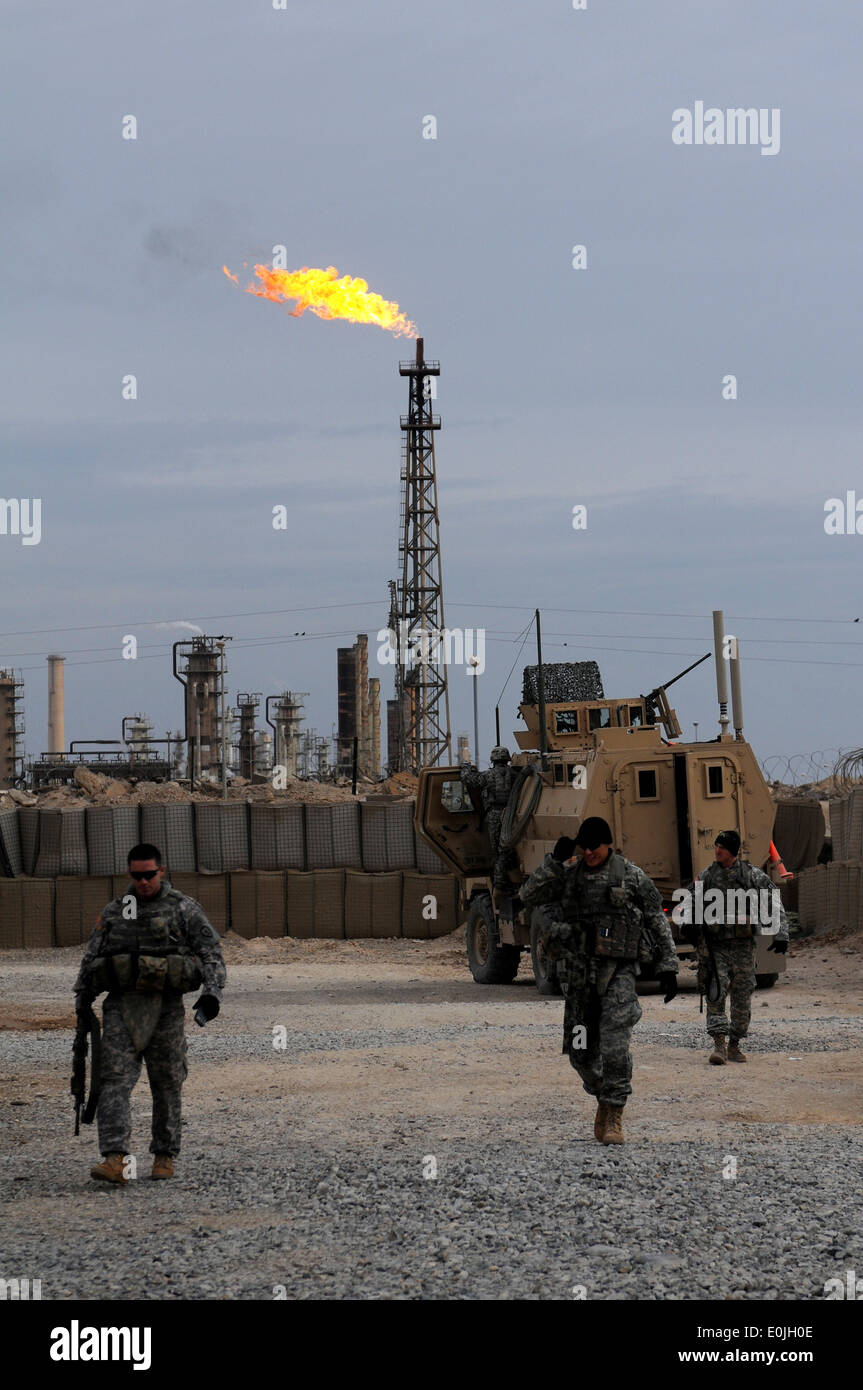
[
  {"x": 765, "y": 981},
  {"x": 544, "y": 970},
  {"x": 490, "y": 963}
]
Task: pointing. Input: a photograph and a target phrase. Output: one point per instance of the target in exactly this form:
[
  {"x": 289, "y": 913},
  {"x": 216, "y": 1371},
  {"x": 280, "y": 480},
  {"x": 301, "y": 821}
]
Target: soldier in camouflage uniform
[
  {"x": 612, "y": 918},
  {"x": 494, "y": 787},
  {"x": 550, "y": 914},
  {"x": 148, "y": 948},
  {"x": 726, "y": 949}
]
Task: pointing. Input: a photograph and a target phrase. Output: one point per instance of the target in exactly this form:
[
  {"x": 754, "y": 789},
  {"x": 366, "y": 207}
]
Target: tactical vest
[
  {"x": 612, "y": 924},
  {"x": 147, "y": 954},
  {"x": 497, "y": 787},
  {"x": 739, "y": 876}
]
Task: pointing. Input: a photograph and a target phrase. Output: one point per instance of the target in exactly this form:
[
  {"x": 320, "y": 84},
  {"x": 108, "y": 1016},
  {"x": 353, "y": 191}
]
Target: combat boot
[
  {"x": 613, "y": 1125},
  {"x": 600, "y": 1120},
  {"x": 719, "y": 1055},
  {"x": 734, "y": 1053},
  {"x": 110, "y": 1169},
  {"x": 163, "y": 1166}
]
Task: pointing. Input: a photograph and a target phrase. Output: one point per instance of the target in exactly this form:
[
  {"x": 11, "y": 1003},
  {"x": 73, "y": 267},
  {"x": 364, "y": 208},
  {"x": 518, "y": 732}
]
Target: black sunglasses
[{"x": 144, "y": 873}]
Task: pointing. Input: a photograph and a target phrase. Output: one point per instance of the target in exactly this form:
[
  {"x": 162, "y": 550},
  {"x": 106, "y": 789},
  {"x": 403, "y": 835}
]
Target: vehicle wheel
[
  {"x": 490, "y": 963},
  {"x": 765, "y": 981},
  {"x": 544, "y": 969}
]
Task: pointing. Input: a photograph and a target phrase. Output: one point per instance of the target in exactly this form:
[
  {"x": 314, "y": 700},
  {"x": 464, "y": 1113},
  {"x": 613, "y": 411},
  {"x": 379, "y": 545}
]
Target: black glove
[
  {"x": 83, "y": 1002},
  {"x": 206, "y": 1008},
  {"x": 780, "y": 947},
  {"x": 668, "y": 983}
]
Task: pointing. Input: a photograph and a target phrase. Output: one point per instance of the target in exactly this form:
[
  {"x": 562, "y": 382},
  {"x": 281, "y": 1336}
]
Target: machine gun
[
  {"x": 657, "y": 708},
  {"x": 87, "y": 1027}
]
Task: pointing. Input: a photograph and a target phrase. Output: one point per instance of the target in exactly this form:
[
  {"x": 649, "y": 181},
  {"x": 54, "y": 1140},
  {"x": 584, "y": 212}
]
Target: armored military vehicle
[{"x": 623, "y": 759}]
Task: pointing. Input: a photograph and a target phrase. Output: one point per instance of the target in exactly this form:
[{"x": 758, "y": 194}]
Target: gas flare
[{"x": 329, "y": 296}]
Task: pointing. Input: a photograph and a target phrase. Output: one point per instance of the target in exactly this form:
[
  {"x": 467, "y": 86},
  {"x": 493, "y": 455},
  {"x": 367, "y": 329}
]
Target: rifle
[{"x": 87, "y": 1025}]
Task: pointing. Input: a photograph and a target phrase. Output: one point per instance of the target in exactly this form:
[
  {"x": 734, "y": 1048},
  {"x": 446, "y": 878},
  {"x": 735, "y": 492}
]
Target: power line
[
  {"x": 206, "y": 618},
  {"x": 452, "y": 603},
  {"x": 490, "y": 632},
  {"x": 635, "y": 613}
]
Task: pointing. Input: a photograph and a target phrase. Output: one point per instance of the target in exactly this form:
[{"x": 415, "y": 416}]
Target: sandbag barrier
[
  {"x": 846, "y": 826},
  {"x": 830, "y": 896},
  {"x": 799, "y": 832},
  {"x": 216, "y": 837},
  {"x": 320, "y": 903}
]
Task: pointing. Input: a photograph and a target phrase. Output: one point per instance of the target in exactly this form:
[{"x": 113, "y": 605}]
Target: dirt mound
[
  {"x": 399, "y": 784},
  {"x": 94, "y": 789},
  {"x": 826, "y": 790}
]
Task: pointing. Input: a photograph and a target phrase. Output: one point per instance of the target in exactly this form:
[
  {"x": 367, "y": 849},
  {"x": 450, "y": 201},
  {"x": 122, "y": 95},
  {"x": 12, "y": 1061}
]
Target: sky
[{"x": 601, "y": 386}]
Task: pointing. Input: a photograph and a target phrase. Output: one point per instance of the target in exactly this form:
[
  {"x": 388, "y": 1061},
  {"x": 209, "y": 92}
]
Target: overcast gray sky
[{"x": 304, "y": 127}]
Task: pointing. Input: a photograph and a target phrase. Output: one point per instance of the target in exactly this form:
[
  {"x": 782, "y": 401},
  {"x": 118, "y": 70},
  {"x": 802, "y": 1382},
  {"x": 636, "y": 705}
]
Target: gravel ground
[{"x": 419, "y": 1137}]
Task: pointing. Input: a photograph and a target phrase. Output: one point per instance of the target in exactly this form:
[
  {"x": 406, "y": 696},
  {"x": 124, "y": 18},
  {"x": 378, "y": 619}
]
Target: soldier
[
  {"x": 726, "y": 947},
  {"x": 494, "y": 787},
  {"x": 148, "y": 948},
  {"x": 551, "y": 913},
  {"x": 612, "y": 919}
]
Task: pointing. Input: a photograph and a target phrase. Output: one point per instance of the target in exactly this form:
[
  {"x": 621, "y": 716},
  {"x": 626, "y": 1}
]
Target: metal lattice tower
[
  {"x": 421, "y": 686},
  {"x": 11, "y": 728}
]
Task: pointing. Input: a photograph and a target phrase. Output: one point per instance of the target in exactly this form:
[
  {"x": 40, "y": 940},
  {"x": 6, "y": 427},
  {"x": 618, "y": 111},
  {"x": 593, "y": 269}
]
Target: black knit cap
[
  {"x": 594, "y": 832},
  {"x": 564, "y": 849},
  {"x": 730, "y": 840}
]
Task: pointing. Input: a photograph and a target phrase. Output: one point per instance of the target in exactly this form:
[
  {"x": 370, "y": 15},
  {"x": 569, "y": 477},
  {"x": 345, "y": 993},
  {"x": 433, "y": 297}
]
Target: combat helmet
[{"x": 500, "y": 755}]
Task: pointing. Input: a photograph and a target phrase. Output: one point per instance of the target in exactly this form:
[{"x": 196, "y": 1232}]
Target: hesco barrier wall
[
  {"x": 846, "y": 826},
  {"x": 799, "y": 833},
  {"x": 333, "y": 903},
  {"x": 216, "y": 837},
  {"x": 830, "y": 896}
]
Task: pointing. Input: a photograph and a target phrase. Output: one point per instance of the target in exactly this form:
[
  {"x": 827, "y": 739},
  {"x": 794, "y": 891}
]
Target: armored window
[
  {"x": 566, "y": 721},
  {"x": 646, "y": 784},
  {"x": 714, "y": 780},
  {"x": 636, "y": 716},
  {"x": 454, "y": 797},
  {"x": 559, "y": 772},
  {"x": 599, "y": 718}
]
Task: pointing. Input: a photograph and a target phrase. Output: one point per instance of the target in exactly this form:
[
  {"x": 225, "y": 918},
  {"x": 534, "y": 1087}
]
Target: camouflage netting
[{"x": 564, "y": 680}]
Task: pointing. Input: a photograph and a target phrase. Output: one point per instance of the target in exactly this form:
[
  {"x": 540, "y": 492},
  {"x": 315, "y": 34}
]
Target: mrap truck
[{"x": 623, "y": 759}]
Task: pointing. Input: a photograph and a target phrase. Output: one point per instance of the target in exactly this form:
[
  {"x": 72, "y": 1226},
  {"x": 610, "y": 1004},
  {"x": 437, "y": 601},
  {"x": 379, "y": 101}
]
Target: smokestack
[
  {"x": 363, "y": 727},
  {"x": 721, "y": 668},
  {"x": 56, "y": 705},
  {"x": 374, "y": 769},
  {"x": 736, "y": 692}
]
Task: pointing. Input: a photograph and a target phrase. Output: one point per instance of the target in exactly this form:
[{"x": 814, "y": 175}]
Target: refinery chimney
[{"x": 56, "y": 706}]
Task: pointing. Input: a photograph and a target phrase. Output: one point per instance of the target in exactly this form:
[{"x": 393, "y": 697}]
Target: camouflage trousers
[
  {"x": 605, "y": 1064},
  {"x": 165, "y": 1058},
  {"x": 735, "y": 967},
  {"x": 500, "y": 859}
]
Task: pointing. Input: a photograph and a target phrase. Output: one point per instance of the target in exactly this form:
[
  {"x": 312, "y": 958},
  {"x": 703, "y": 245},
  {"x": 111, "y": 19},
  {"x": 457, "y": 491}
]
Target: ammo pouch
[
  {"x": 729, "y": 931},
  {"x": 140, "y": 974},
  {"x": 618, "y": 934}
]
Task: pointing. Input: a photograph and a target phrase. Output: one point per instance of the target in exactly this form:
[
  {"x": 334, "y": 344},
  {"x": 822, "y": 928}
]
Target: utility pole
[{"x": 474, "y": 662}]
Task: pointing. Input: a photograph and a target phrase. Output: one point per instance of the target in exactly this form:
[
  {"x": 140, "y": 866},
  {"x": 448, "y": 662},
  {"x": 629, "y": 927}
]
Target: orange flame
[{"x": 329, "y": 297}]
